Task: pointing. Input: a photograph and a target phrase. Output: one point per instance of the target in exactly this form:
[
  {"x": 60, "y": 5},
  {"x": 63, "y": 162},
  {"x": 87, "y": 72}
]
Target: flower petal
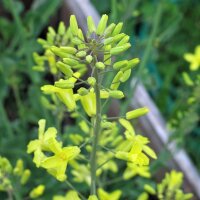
[{"x": 33, "y": 146}]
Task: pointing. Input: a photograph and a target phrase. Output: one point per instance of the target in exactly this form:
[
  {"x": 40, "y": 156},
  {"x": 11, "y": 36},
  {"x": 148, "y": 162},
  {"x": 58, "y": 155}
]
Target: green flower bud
[
  {"x": 109, "y": 29},
  {"x": 70, "y": 61},
  {"x": 117, "y": 29},
  {"x": 137, "y": 113},
  {"x": 120, "y": 49},
  {"x": 79, "y": 66},
  {"x": 52, "y": 31},
  {"x": 102, "y": 25},
  {"x": 65, "y": 69},
  {"x": 65, "y": 84},
  {"x": 61, "y": 28},
  {"x": 117, "y": 94},
  {"x": 120, "y": 64},
  {"x": 38, "y": 68},
  {"x": 91, "y": 25},
  {"x": 89, "y": 58},
  {"x": 118, "y": 37},
  {"x": 116, "y": 81},
  {"x": 106, "y": 125},
  {"x": 76, "y": 41},
  {"x": 70, "y": 50},
  {"x": 43, "y": 42},
  {"x": 149, "y": 189},
  {"x": 25, "y": 176},
  {"x": 19, "y": 168},
  {"x": 131, "y": 63},
  {"x": 82, "y": 91},
  {"x": 37, "y": 191},
  {"x": 108, "y": 41},
  {"x": 125, "y": 76},
  {"x": 100, "y": 65},
  {"x": 73, "y": 25},
  {"x": 80, "y": 35},
  {"x": 57, "y": 51},
  {"x": 91, "y": 81},
  {"x": 187, "y": 79},
  {"x": 50, "y": 38},
  {"x": 81, "y": 54},
  {"x": 104, "y": 94},
  {"x": 124, "y": 40}
]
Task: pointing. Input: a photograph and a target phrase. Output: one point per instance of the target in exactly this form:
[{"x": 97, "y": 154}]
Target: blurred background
[{"x": 161, "y": 33}]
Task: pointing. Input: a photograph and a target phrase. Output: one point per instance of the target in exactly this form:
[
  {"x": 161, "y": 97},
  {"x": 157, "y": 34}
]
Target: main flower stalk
[{"x": 97, "y": 129}]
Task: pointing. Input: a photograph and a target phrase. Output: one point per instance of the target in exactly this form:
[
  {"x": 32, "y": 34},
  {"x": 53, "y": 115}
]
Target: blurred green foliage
[
  {"x": 161, "y": 32},
  {"x": 21, "y": 23}
]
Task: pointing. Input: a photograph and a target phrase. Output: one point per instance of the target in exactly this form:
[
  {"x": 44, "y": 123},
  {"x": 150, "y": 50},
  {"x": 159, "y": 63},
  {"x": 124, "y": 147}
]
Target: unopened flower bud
[
  {"x": 137, "y": 113},
  {"x": 70, "y": 50},
  {"x": 58, "y": 52},
  {"x": 117, "y": 94},
  {"x": 64, "y": 84},
  {"x": 91, "y": 25},
  {"x": 70, "y": 61},
  {"x": 108, "y": 41},
  {"x": 125, "y": 76},
  {"x": 131, "y": 63},
  {"x": 61, "y": 28},
  {"x": 104, "y": 94},
  {"x": 82, "y": 91},
  {"x": 91, "y": 81},
  {"x": 102, "y": 25},
  {"x": 124, "y": 40},
  {"x": 73, "y": 25},
  {"x": 19, "y": 168},
  {"x": 109, "y": 29},
  {"x": 118, "y": 37},
  {"x": 120, "y": 64},
  {"x": 51, "y": 31},
  {"x": 37, "y": 191},
  {"x": 89, "y": 58},
  {"x": 77, "y": 41},
  {"x": 100, "y": 65},
  {"x": 149, "y": 189},
  {"x": 117, "y": 29},
  {"x": 65, "y": 69},
  {"x": 120, "y": 49},
  {"x": 25, "y": 176},
  {"x": 81, "y": 54},
  {"x": 116, "y": 81}
]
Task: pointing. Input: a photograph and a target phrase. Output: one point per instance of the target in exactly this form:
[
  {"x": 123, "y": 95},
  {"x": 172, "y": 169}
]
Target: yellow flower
[
  {"x": 136, "y": 155},
  {"x": 88, "y": 102},
  {"x": 103, "y": 195},
  {"x": 193, "y": 59},
  {"x": 56, "y": 165},
  {"x": 133, "y": 170},
  {"x": 41, "y": 143}
]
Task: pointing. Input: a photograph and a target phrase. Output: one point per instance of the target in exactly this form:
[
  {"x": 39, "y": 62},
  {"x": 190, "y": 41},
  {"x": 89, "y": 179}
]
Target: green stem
[{"x": 97, "y": 127}]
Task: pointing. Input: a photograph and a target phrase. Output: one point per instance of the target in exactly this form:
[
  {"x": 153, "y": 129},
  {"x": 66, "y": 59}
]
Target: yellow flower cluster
[
  {"x": 85, "y": 99},
  {"x": 193, "y": 59},
  {"x": 46, "y": 142},
  {"x": 169, "y": 188}
]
